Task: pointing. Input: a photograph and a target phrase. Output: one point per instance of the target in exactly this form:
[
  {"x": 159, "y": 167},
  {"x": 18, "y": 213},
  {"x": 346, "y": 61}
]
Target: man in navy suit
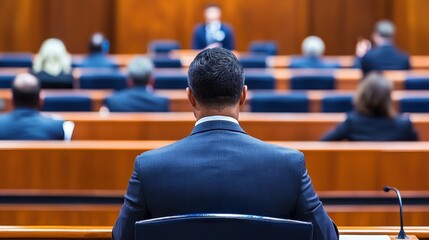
[
  {"x": 98, "y": 50},
  {"x": 213, "y": 33},
  {"x": 138, "y": 98},
  {"x": 313, "y": 48},
  {"x": 218, "y": 168},
  {"x": 385, "y": 56},
  {"x": 25, "y": 122}
]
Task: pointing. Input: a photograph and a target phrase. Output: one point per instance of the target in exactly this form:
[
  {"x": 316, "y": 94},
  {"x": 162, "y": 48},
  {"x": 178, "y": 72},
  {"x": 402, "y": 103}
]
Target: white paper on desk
[{"x": 364, "y": 237}]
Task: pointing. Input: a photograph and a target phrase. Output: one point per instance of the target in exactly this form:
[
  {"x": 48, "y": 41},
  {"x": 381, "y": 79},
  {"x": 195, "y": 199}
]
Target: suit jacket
[
  {"x": 64, "y": 80},
  {"x": 221, "y": 169},
  {"x": 199, "y": 40},
  {"x": 28, "y": 124},
  {"x": 312, "y": 62},
  {"x": 358, "y": 127},
  {"x": 98, "y": 60},
  {"x": 136, "y": 99},
  {"x": 385, "y": 57}
]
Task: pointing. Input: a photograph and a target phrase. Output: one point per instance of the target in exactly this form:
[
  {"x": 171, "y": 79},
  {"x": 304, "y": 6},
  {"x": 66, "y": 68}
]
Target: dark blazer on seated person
[
  {"x": 47, "y": 81},
  {"x": 29, "y": 124},
  {"x": 386, "y": 57},
  {"x": 311, "y": 62},
  {"x": 199, "y": 39},
  {"x": 136, "y": 99},
  {"x": 205, "y": 172},
  {"x": 358, "y": 127}
]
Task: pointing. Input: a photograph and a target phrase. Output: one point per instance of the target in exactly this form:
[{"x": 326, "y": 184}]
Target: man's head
[
  {"x": 140, "y": 71},
  {"x": 98, "y": 44},
  {"x": 216, "y": 81},
  {"x": 384, "y": 32},
  {"x": 313, "y": 46},
  {"x": 26, "y": 91},
  {"x": 212, "y": 13}
]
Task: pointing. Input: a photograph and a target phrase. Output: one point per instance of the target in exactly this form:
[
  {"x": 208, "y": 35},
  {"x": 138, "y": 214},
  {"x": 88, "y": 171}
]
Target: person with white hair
[
  {"x": 25, "y": 122},
  {"x": 384, "y": 56},
  {"x": 139, "y": 97},
  {"x": 313, "y": 49},
  {"x": 52, "y": 65}
]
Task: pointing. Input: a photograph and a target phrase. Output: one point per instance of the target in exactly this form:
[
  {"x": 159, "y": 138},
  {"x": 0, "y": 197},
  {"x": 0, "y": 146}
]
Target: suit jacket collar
[{"x": 217, "y": 125}]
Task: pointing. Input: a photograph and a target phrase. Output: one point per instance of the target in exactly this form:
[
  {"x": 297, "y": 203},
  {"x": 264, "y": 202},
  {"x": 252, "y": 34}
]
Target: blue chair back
[
  {"x": 24, "y": 60},
  {"x": 260, "y": 81},
  {"x": 163, "y": 46},
  {"x": 417, "y": 83},
  {"x": 263, "y": 48},
  {"x": 312, "y": 82},
  {"x": 103, "y": 80},
  {"x": 67, "y": 103},
  {"x": 253, "y": 61},
  {"x": 166, "y": 62},
  {"x": 414, "y": 104},
  {"x": 271, "y": 102},
  {"x": 6, "y": 79},
  {"x": 337, "y": 103},
  {"x": 222, "y": 226},
  {"x": 173, "y": 81}
]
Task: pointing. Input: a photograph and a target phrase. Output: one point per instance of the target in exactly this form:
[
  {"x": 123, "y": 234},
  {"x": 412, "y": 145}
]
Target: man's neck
[{"x": 232, "y": 112}]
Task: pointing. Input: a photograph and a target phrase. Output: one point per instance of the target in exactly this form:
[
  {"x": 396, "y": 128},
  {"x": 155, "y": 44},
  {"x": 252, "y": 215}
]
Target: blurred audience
[
  {"x": 384, "y": 56},
  {"x": 213, "y": 33},
  {"x": 313, "y": 49},
  {"x": 139, "y": 97},
  {"x": 374, "y": 117},
  {"x": 25, "y": 122},
  {"x": 98, "y": 50},
  {"x": 52, "y": 65}
]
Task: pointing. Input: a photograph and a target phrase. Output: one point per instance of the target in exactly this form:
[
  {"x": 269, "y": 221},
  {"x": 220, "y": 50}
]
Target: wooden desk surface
[
  {"x": 105, "y": 232},
  {"x": 174, "y": 126}
]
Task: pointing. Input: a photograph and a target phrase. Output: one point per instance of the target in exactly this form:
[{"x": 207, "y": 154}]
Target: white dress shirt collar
[{"x": 216, "y": 118}]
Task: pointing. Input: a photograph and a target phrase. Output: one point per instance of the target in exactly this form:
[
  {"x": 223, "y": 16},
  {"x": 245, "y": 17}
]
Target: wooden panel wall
[{"x": 132, "y": 24}]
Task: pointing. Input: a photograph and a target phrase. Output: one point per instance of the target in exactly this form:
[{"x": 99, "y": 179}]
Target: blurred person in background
[
  {"x": 213, "y": 33},
  {"x": 98, "y": 49},
  {"x": 25, "y": 122},
  {"x": 374, "y": 117},
  {"x": 384, "y": 56},
  {"x": 52, "y": 65},
  {"x": 139, "y": 97},
  {"x": 313, "y": 49}
]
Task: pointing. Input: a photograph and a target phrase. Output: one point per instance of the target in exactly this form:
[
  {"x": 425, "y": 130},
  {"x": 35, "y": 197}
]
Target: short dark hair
[
  {"x": 98, "y": 43},
  {"x": 216, "y": 78},
  {"x": 26, "y": 95},
  {"x": 373, "y": 97}
]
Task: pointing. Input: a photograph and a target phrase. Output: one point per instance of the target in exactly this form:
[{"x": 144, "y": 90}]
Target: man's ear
[
  {"x": 243, "y": 95},
  {"x": 191, "y": 97}
]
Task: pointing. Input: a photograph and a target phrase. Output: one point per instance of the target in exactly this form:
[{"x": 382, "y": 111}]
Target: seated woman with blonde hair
[
  {"x": 374, "y": 118},
  {"x": 52, "y": 65}
]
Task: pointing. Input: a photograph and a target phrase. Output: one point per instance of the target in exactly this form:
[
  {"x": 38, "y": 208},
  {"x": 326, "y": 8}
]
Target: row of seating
[{"x": 258, "y": 101}]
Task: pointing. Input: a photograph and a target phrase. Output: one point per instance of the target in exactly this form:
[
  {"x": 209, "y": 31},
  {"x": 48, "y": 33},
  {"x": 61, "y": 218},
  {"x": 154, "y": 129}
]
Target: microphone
[{"x": 401, "y": 234}]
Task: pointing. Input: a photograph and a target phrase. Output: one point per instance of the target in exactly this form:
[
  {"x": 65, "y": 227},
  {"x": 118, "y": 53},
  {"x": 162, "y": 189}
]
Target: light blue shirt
[{"x": 216, "y": 118}]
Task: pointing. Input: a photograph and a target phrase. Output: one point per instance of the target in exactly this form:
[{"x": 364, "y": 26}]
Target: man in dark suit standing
[
  {"x": 25, "y": 122},
  {"x": 138, "y": 98},
  {"x": 213, "y": 33},
  {"x": 385, "y": 56},
  {"x": 218, "y": 168}
]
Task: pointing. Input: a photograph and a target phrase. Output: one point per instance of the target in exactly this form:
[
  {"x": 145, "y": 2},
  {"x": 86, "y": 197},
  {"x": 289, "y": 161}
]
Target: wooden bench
[{"x": 174, "y": 126}]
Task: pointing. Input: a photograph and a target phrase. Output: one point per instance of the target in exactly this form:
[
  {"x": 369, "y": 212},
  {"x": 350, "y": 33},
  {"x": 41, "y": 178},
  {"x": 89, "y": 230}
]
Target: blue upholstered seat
[
  {"x": 171, "y": 81},
  {"x": 222, "y": 226},
  {"x": 414, "y": 104},
  {"x": 6, "y": 79},
  {"x": 108, "y": 79},
  {"x": 166, "y": 62},
  {"x": 24, "y": 60},
  {"x": 337, "y": 103},
  {"x": 263, "y": 48},
  {"x": 312, "y": 82},
  {"x": 271, "y": 102},
  {"x": 67, "y": 103},
  {"x": 417, "y": 83},
  {"x": 163, "y": 46},
  {"x": 253, "y": 61},
  {"x": 259, "y": 81}
]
